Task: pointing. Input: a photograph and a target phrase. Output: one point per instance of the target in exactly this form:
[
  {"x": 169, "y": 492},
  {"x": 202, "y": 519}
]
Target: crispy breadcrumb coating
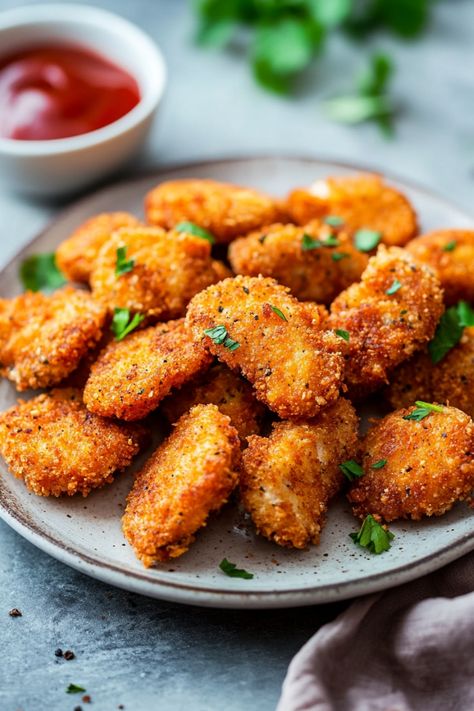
[
  {"x": 43, "y": 338},
  {"x": 58, "y": 447},
  {"x": 226, "y": 210},
  {"x": 318, "y": 274},
  {"x": 295, "y": 366},
  {"x": 429, "y": 465},
  {"x": 220, "y": 386},
  {"x": 169, "y": 268},
  {"x": 450, "y": 382},
  {"x": 450, "y": 253},
  {"x": 384, "y": 328},
  {"x": 132, "y": 376},
  {"x": 191, "y": 474},
  {"x": 77, "y": 255},
  {"x": 288, "y": 478},
  {"x": 362, "y": 201}
]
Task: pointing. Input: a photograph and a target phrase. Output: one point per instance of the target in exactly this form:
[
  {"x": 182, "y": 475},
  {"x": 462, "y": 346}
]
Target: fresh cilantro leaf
[
  {"x": 337, "y": 256},
  {"x": 465, "y": 314},
  {"x": 74, "y": 689},
  {"x": 122, "y": 324},
  {"x": 123, "y": 265},
  {"x": 448, "y": 334},
  {"x": 278, "y": 313},
  {"x": 330, "y": 13},
  {"x": 366, "y": 240},
  {"x": 351, "y": 470},
  {"x": 220, "y": 337},
  {"x": 343, "y": 334},
  {"x": 232, "y": 571},
  {"x": 333, "y": 220},
  {"x": 39, "y": 272},
  {"x": 450, "y": 246},
  {"x": 195, "y": 230},
  {"x": 379, "y": 465},
  {"x": 422, "y": 410},
  {"x": 373, "y": 536},
  {"x": 394, "y": 287}
]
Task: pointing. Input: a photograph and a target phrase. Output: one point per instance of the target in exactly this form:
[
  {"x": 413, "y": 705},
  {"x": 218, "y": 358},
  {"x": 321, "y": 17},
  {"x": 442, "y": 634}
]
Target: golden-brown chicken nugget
[
  {"x": 76, "y": 256},
  {"x": 315, "y": 261},
  {"x": 288, "y": 478},
  {"x": 450, "y": 381},
  {"x": 191, "y": 474},
  {"x": 450, "y": 253},
  {"x": 132, "y": 376},
  {"x": 220, "y": 386},
  {"x": 422, "y": 466},
  {"x": 58, "y": 447},
  {"x": 43, "y": 338},
  {"x": 167, "y": 269},
  {"x": 254, "y": 325},
  {"x": 363, "y": 201},
  {"x": 391, "y": 313},
  {"x": 226, "y": 210}
]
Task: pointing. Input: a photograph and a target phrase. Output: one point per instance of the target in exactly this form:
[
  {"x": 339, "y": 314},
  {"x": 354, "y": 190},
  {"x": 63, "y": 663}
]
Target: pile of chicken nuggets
[{"x": 256, "y": 327}]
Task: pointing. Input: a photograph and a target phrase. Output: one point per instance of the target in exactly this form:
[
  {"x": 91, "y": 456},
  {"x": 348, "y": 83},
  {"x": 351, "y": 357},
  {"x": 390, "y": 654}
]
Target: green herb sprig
[
  {"x": 232, "y": 571},
  {"x": 123, "y": 323},
  {"x": 278, "y": 312},
  {"x": 39, "y": 272},
  {"x": 192, "y": 229},
  {"x": 309, "y": 243},
  {"x": 351, "y": 470},
  {"x": 422, "y": 410},
  {"x": 122, "y": 264},
  {"x": 450, "y": 329},
  {"x": 373, "y": 536},
  {"x": 220, "y": 337}
]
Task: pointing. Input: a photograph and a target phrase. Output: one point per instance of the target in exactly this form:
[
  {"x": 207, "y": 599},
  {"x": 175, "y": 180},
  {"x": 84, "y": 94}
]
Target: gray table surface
[{"x": 143, "y": 653}]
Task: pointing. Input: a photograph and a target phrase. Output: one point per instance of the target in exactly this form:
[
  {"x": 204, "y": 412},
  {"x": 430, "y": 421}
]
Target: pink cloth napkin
[{"x": 408, "y": 649}]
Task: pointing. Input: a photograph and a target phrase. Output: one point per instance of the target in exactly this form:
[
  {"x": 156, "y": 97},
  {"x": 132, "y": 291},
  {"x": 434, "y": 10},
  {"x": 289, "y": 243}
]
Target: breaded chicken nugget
[
  {"x": 226, "y": 210},
  {"x": 362, "y": 201},
  {"x": 76, "y": 256},
  {"x": 450, "y": 382},
  {"x": 43, "y": 338},
  {"x": 388, "y": 315},
  {"x": 132, "y": 376},
  {"x": 220, "y": 386},
  {"x": 288, "y": 478},
  {"x": 313, "y": 261},
  {"x": 421, "y": 467},
  {"x": 168, "y": 268},
  {"x": 58, "y": 447},
  {"x": 450, "y": 253},
  {"x": 191, "y": 474},
  {"x": 254, "y": 325}
]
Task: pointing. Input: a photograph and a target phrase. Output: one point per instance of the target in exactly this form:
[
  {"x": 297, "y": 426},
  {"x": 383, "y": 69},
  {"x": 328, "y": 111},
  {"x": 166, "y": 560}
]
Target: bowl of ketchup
[{"x": 79, "y": 88}]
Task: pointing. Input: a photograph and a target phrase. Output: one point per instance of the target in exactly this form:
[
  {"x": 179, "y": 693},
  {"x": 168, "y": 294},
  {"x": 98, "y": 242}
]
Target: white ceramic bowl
[{"x": 60, "y": 166}]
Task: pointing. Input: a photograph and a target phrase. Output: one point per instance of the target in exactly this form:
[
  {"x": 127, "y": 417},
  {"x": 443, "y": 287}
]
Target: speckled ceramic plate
[{"x": 86, "y": 533}]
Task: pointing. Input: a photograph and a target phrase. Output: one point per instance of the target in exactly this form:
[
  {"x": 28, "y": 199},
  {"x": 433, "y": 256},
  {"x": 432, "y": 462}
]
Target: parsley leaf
[
  {"x": 123, "y": 265},
  {"x": 394, "y": 287},
  {"x": 367, "y": 240},
  {"x": 333, "y": 220},
  {"x": 192, "y": 229},
  {"x": 337, "y": 256},
  {"x": 343, "y": 334},
  {"x": 373, "y": 536},
  {"x": 448, "y": 334},
  {"x": 220, "y": 337},
  {"x": 40, "y": 273},
  {"x": 308, "y": 243},
  {"x": 74, "y": 689},
  {"x": 331, "y": 13},
  {"x": 450, "y": 246},
  {"x": 351, "y": 470},
  {"x": 465, "y": 314},
  {"x": 379, "y": 465},
  {"x": 122, "y": 325},
  {"x": 422, "y": 410},
  {"x": 278, "y": 313},
  {"x": 232, "y": 571}
]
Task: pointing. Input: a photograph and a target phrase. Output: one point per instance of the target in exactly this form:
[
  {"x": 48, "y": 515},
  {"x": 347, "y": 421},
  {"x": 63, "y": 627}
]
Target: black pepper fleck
[
  {"x": 15, "y": 612},
  {"x": 68, "y": 655}
]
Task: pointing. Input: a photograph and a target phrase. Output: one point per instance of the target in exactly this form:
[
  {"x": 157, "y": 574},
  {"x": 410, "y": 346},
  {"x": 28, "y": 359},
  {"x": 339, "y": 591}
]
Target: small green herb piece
[
  {"x": 395, "y": 286},
  {"x": 333, "y": 220},
  {"x": 278, "y": 313},
  {"x": 123, "y": 265},
  {"x": 379, "y": 465},
  {"x": 343, "y": 334},
  {"x": 351, "y": 470},
  {"x": 449, "y": 246},
  {"x": 423, "y": 409},
  {"x": 122, "y": 325},
  {"x": 308, "y": 242},
  {"x": 367, "y": 240},
  {"x": 40, "y": 273},
  {"x": 465, "y": 314},
  {"x": 74, "y": 689},
  {"x": 193, "y": 229},
  {"x": 232, "y": 571},
  {"x": 449, "y": 330},
  {"x": 337, "y": 256},
  {"x": 220, "y": 337},
  {"x": 373, "y": 536}
]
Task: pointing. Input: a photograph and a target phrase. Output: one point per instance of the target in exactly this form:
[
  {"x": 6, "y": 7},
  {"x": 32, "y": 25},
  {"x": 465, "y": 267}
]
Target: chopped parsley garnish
[
  {"x": 351, "y": 470},
  {"x": 394, "y": 287},
  {"x": 123, "y": 265},
  {"x": 450, "y": 329},
  {"x": 343, "y": 334},
  {"x": 193, "y": 229},
  {"x": 373, "y": 536},
  {"x": 465, "y": 314},
  {"x": 74, "y": 689},
  {"x": 220, "y": 337},
  {"x": 40, "y": 273},
  {"x": 449, "y": 246},
  {"x": 308, "y": 242},
  {"x": 122, "y": 324},
  {"x": 367, "y": 240},
  {"x": 278, "y": 312},
  {"x": 333, "y": 220},
  {"x": 232, "y": 571},
  {"x": 337, "y": 256},
  {"x": 423, "y": 409},
  {"x": 378, "y": 465}
]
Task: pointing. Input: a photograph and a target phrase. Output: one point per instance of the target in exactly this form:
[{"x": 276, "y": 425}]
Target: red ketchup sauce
[{"x": 57, "y": 91}]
